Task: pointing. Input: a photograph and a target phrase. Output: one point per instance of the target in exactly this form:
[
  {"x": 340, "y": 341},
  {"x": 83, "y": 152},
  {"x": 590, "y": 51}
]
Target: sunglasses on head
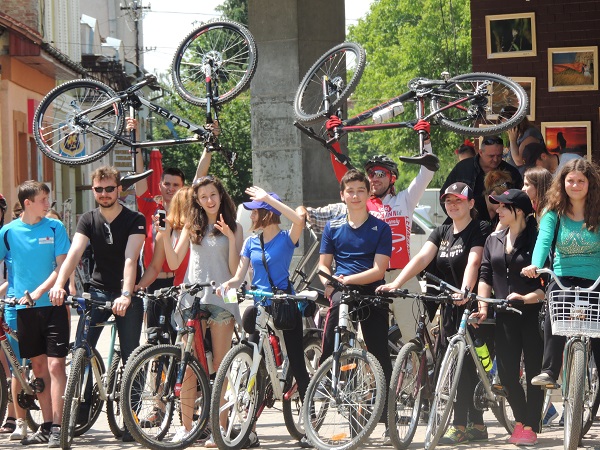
[
  {"x": 109, "y": 189},
  {"x": 199, "y": 181},
  {"x": 378, "y": 173},
  {"x": 493, "y": 140}
]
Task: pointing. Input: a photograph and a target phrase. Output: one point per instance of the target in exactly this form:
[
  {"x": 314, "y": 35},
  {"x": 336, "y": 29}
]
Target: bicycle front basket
[{"x": 574, "y": 313}]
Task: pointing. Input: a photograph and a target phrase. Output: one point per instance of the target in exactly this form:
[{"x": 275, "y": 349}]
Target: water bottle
[
  {"x": 276, "y": 349},
  {"x": 388, "y": 112},
  {"x": 209, "y": 362},
  {"x": 484, "y": 354}
]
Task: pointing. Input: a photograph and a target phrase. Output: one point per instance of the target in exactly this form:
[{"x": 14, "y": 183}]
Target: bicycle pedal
[{"x": 500, "y": 390}]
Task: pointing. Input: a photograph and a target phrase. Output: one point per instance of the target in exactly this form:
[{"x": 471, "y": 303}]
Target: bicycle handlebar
[
  {"x": 404, "y": 293},
  {"x": 353, "y": 292},
  {"x": 303, "y": 295},
  {"x": 562, "y": 286}
]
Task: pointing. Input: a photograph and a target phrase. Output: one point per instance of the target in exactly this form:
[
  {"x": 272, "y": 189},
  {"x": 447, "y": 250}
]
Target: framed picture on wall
[
  {"x": 510, "y": 35},
  {"x": 528, "y": 83},
  {"x": 568, "y": 137},
  {"x": 573, "y": 69}
]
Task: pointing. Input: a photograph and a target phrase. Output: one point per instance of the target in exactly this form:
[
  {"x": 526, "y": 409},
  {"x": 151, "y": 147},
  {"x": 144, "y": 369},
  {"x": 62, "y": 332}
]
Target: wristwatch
[{"x": 126, "y": 294}]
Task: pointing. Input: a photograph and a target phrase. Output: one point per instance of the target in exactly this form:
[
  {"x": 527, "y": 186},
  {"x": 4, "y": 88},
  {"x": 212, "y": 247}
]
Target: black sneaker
[
  {"x": 127, "y": 437},
  {"x": 305, "y": 443},
  {"x": 39, "y": 437},
  {"x": 252, "y": 441}
]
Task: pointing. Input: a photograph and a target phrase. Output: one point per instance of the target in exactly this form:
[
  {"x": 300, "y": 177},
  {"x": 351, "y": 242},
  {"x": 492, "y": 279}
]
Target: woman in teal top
[{"x": 573, "y": 201}]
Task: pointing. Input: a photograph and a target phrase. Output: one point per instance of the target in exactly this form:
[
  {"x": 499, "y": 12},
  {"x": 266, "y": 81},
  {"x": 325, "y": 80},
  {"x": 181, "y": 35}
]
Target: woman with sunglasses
[
  {"x": 275, "y": 247},
  {"x": 214, "y": 240},
  {"x": 505, "y": 253},
  {"x": 456, "y": 250}
]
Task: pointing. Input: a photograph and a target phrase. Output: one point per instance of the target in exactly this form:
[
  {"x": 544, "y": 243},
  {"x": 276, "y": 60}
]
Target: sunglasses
[
  {"x": 108, "y": 189},
  {"x": 379, "y": 173},
  {"x": 108, "y": 234},
  {"x": 492, "y": 141},
  {"x": 198, "y": 181}
]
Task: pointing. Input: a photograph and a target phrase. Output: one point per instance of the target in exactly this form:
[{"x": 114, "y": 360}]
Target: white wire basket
[{"x": 575, "y": 313}]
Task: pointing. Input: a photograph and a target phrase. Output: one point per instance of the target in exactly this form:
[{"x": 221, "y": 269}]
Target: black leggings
[{"x": 516, "y": 334}]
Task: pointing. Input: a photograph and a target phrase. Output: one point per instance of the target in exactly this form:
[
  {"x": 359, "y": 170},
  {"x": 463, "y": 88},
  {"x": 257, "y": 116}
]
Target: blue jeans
[{"x": 129, "y": 327}]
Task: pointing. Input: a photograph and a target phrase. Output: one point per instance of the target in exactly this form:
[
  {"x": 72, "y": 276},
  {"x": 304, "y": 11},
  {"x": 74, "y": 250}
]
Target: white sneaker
[
  {"x": 20, "y": 431},
  {"x": 180, "y": 435}
]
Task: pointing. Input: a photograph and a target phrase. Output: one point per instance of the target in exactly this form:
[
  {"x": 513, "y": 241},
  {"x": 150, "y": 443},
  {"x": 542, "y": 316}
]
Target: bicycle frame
[{"x": 18, "y": 369}]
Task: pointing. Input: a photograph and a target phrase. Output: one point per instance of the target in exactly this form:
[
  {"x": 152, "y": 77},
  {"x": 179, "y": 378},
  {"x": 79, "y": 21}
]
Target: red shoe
[
  {"x": 527, "y": 437},
  {"x": 517, "y": 432}
]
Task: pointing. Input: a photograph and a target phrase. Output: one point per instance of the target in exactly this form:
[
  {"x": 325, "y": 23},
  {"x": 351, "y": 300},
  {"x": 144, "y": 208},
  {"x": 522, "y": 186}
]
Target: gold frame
[
  {"x": 587, "y": 124},
  {"x": 593, "y": 86},
  {"x": 509, "y": 54},
  {"x": 531, "y": 95}
]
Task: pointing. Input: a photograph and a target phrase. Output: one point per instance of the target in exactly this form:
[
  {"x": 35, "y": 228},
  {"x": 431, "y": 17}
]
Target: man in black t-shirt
[{"x": 116, "y": 234}]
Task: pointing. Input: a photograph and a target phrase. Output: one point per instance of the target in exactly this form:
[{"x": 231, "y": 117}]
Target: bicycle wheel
[
  {"x": 472, "y": 104},
  {"x": 78, "y": 122},
  {"x": 445, "y": 393},
  {"x": 340, "y": 70},
  {"x": 243, "y": 395},
  {"x": 404, "y": 396},
  {"x": 87, "y": 417},
  {"x": 292, "y": 407},
  {"x": 574, "y": 387},
  {"x": 113, "y": 392},
  {"x": 231, "y": 50},
  {"x": 73, "y": 395},
  {"x": 148, "y": 384},
  {"x": 4, "y": 392},
  {"x": 345, "y": 420},
  {"x": 592, "y": 385}
]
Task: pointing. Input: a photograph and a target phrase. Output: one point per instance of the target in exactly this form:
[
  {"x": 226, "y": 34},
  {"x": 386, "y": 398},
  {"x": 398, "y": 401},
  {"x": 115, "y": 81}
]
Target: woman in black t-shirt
[{"x": 457, "y": 249}]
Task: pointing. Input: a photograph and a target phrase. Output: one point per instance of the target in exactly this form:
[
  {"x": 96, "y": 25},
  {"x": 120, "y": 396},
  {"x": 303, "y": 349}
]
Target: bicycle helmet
[{"x": 382, "y": 161}]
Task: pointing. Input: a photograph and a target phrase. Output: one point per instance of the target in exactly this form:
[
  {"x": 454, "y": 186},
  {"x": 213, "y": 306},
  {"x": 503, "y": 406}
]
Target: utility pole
[{"x": 136, "y": 11}]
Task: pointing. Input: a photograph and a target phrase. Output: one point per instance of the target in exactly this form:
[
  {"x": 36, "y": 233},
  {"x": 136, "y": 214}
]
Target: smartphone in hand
[{"x": 162, "y": 216}]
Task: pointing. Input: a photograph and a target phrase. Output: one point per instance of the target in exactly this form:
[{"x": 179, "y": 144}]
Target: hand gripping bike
[
  {"x": 80, "y": 121},
  {"x": 468, "y": 104}
]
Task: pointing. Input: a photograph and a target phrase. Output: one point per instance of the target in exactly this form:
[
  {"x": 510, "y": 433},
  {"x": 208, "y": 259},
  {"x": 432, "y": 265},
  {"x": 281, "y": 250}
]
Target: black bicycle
[{"x": 80, "y": 121}]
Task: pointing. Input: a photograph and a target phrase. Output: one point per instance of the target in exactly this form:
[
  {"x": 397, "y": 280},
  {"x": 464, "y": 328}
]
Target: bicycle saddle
[
  {"x": 427, "y": 160},
  {"x": 129, "y": 180}
]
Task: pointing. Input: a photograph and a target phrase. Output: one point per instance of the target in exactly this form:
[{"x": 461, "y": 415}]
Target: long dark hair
[
  {"x": 197, "y": 221},
  {"x": 541, "y": 179},
  {"x": 558, "y": 200}
]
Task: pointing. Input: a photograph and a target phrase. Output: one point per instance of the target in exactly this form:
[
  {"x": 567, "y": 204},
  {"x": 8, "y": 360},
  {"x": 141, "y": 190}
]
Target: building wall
[{"x": 559, "y": 23}]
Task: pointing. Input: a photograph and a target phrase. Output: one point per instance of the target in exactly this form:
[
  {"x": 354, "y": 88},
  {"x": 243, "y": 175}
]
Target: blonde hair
[{"x": 180, "y": 207}]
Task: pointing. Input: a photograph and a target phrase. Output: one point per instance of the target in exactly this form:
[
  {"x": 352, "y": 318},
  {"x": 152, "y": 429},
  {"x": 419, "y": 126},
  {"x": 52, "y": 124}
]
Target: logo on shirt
[
  {"x": 374, "y": 228},
  {"x": 46, "y": 240},
  {"x": 140, "y": 227}
]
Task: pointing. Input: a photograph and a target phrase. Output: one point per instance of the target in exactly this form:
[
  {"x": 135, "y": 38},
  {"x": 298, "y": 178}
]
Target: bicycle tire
[
  {"x": 234, "y": 49},
  {"x": 344, "y": 58},
  {"x": 96, "y": 402},
  {"x": 114, "y": 415},
  {"x": 4, "y": 392},
  {"x": 404, "y": 396},
  {"x": 503, "y": 412},
  {"x": 59, "y": 128},
  {"x": 573, "y": 398},
  {"x": 292, "y": 408},
  {"x": 361, "y": 391},
  {"x": 240, "y": 404},
  {"x": 445, "y": 392},
  {"x": 590, "y": 405},
  {"x": 481, "y": 115},
  {"x": 164, "y": 362},
  {"x": 73, "y": 393}
]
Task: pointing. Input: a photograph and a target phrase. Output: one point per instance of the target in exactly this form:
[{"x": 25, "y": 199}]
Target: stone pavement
[{"x": 273, "y": 434}]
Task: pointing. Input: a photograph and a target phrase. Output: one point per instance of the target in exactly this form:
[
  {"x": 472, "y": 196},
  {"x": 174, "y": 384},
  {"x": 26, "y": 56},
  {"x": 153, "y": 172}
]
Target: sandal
[{"x": 9, "y": 426}]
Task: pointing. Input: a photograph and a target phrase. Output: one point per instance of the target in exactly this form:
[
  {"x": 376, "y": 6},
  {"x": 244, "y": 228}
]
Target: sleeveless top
[{"x": 210, "y": 261}]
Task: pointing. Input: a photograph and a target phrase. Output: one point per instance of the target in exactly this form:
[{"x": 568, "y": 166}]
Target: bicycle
[
  {"x": 87, "y": 366},
  {"x": 487, "y": 394},
  {"x": 345, "y": 398},
  {"x": 413, "y": 378},
  {"x": 172, "y": 379},
  {"x": 467, "y": 104},
  {"x": 575, "y": 313},
  {"x": 80, "y": 121},
  {"x": 253, "y": 376}
]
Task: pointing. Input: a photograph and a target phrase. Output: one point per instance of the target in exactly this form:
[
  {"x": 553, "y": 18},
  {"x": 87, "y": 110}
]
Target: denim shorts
[{"x": 218, "y": 315}]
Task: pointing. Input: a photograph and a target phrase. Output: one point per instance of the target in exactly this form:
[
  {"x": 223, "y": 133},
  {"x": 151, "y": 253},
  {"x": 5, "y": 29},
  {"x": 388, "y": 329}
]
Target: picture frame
[
  {"x": 573, "y": 69},
  {"x": 527, "y": 83},
  {"x": 510, "y": 35},
  {"x": 573, "y": 135}
]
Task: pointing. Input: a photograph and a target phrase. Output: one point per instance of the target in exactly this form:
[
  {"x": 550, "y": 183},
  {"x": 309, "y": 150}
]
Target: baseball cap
[
  {"x": 515, "y": 197},
  {"x": 257, "y": 205},
  {"x": 461, "y": 190},
  {"x": 532, "y": 152}
]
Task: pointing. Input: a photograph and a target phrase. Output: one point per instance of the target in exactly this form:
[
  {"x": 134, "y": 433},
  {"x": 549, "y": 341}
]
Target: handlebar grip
[{"x": 432, "y": 277}]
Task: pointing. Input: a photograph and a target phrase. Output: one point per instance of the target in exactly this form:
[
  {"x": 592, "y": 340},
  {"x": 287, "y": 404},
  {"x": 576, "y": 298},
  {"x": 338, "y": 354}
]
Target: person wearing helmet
[{"x": 396, "y": 209}]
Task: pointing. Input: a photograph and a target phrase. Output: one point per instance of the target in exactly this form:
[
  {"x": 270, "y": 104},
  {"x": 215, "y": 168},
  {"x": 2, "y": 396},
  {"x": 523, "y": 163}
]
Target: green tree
[
  {"x": 236, "y": 10},
  {"x": 404, "y": 40}
]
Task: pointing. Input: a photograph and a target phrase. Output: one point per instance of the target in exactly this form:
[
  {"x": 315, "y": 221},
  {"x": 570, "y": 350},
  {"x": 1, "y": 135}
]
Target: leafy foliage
[
  {"x": 235, "y": 10},
  {"x": 404, "y": 40}
]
